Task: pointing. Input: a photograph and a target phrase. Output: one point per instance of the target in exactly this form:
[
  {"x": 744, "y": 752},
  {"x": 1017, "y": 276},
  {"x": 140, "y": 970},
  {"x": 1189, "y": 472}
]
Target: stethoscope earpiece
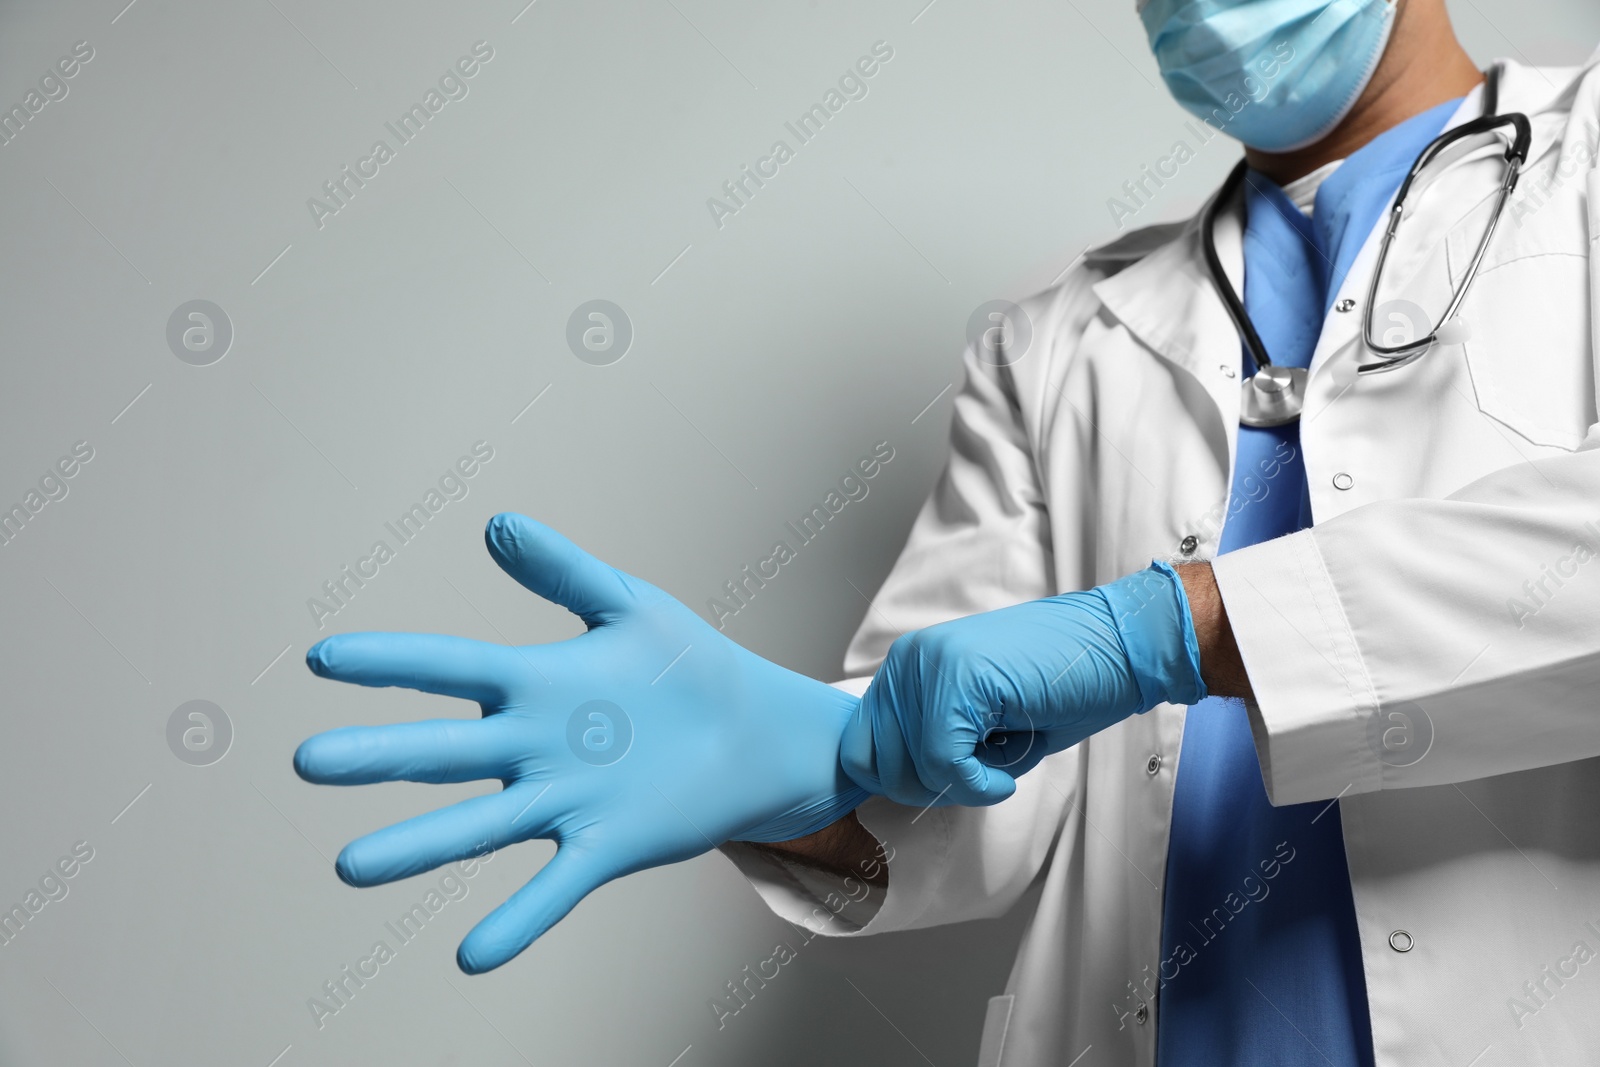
[{"x": 1454, "y": 332}]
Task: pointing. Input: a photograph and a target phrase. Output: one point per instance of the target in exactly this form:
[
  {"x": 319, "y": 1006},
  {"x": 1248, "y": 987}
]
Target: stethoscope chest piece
[{"x": 1273, "y": 396}]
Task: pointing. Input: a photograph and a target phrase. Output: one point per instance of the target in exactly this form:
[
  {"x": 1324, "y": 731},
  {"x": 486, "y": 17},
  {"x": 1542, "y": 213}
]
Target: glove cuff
[
  {"x": 808, "y": 819},
  {"x": 1151, "y": 613}
]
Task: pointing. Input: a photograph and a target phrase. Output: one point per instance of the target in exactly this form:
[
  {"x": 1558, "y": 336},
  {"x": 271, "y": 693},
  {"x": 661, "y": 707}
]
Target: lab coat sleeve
[
  {"x": 981, "y": 541},
  {"x": 1396, "y": 645},
  {"x": 946, "y": 865}
]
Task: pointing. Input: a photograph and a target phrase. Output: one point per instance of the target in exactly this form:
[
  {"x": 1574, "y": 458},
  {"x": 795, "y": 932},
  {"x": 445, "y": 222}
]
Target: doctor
[{"x": 1330, "y": 797}]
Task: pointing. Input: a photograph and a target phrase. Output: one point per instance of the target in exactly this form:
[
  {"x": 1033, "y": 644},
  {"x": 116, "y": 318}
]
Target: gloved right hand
[
  {"x": 959, "y": 710},
  {"x": 650, "y": 739}
]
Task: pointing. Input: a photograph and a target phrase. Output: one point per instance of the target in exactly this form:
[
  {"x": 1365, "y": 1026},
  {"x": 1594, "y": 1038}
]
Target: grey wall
[{"x": 371, "y": 351}]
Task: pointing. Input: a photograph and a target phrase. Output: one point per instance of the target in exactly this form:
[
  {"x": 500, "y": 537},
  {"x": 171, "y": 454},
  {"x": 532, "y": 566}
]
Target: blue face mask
[{"x": 1274, "y": 74}]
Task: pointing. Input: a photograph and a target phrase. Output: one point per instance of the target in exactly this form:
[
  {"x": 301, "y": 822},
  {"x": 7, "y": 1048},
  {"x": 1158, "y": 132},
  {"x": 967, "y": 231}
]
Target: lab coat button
[
  {"x": 1153, "y": 764},
  {"x": 1345, "y": 305},
  {"x": 1228, "y": 371},
  {"x": 1343, "y": 481},
  {"x": 1188, "y": 545},
  {"x": 1401, "y": 941},
  {"x": 1141, "y": 1015}
]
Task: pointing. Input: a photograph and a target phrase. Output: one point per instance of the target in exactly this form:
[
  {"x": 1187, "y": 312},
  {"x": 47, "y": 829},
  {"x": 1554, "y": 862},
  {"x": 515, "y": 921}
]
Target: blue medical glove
[
  {"x": 957, "y": 711},
  {"x": 647, "y": 740}
]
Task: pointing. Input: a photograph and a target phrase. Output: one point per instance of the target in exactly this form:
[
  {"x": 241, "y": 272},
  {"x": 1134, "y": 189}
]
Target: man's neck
[{"x": 1422, "y": 67}]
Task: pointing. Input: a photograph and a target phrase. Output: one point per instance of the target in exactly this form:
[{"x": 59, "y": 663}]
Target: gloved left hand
[
  {"x": 959, "y": 710},
  {"x": 648, "y": 740}
]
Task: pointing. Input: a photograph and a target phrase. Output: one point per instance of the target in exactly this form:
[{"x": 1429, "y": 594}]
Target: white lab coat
[{"x": 1446, "y": 604}]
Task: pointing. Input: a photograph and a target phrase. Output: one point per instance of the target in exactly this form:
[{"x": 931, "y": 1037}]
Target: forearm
[{"x": 844, "y": 848}]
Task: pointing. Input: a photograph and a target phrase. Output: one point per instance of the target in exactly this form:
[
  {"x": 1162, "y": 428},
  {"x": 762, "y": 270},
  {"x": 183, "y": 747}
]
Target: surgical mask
[{"x": 1274, "y": 74}]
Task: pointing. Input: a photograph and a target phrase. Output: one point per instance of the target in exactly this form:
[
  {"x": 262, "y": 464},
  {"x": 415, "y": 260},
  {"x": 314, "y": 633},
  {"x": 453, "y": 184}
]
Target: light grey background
[{"x": 370, "y": 353}]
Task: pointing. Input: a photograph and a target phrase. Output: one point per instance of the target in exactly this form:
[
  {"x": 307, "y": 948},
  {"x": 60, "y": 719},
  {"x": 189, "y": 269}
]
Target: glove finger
[
  {"x": 950, "y": 765},
  {"x": 470, "y": 828},
  {"x": 439, "y": 750},
  {"x": 857, "y": 750},
  {"x": 558, "y": 570},
  {"x": 432, "y": 663},
  {"x": 572, "y": 874},
  {"x": 897, "y": 768},
  {"x": 974, "y": 784},
  {"x": 1014, "y": 751},
  {"x": 874, "y": 753}
]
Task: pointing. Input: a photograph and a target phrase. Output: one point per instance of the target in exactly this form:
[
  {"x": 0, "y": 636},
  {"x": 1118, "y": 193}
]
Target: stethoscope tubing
[{"x": 1389, "y": 357}]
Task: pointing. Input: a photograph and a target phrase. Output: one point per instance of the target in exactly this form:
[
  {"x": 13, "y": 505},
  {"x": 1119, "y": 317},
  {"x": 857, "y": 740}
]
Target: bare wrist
[
  {"x": 1221, "y": 666},
  {"x": 844, "y": 848}
]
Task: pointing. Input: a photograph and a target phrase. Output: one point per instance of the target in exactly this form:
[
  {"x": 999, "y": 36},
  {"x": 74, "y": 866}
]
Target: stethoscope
[{"x": 1275, "y": 394}]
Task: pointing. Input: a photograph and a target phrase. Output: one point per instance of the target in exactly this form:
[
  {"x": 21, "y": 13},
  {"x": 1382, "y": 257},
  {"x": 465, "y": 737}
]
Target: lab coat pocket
[
  {"x": 995, "y": 1024},
  {"x": 1528, "y": 345}
]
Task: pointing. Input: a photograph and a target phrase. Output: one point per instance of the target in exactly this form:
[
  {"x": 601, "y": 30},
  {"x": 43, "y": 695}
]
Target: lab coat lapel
[{"x": 1168, "y": 302}]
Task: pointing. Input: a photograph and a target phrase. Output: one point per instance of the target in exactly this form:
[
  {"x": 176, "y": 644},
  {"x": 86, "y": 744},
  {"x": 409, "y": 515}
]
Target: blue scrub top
[{"x": 1260, "y": 955}]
